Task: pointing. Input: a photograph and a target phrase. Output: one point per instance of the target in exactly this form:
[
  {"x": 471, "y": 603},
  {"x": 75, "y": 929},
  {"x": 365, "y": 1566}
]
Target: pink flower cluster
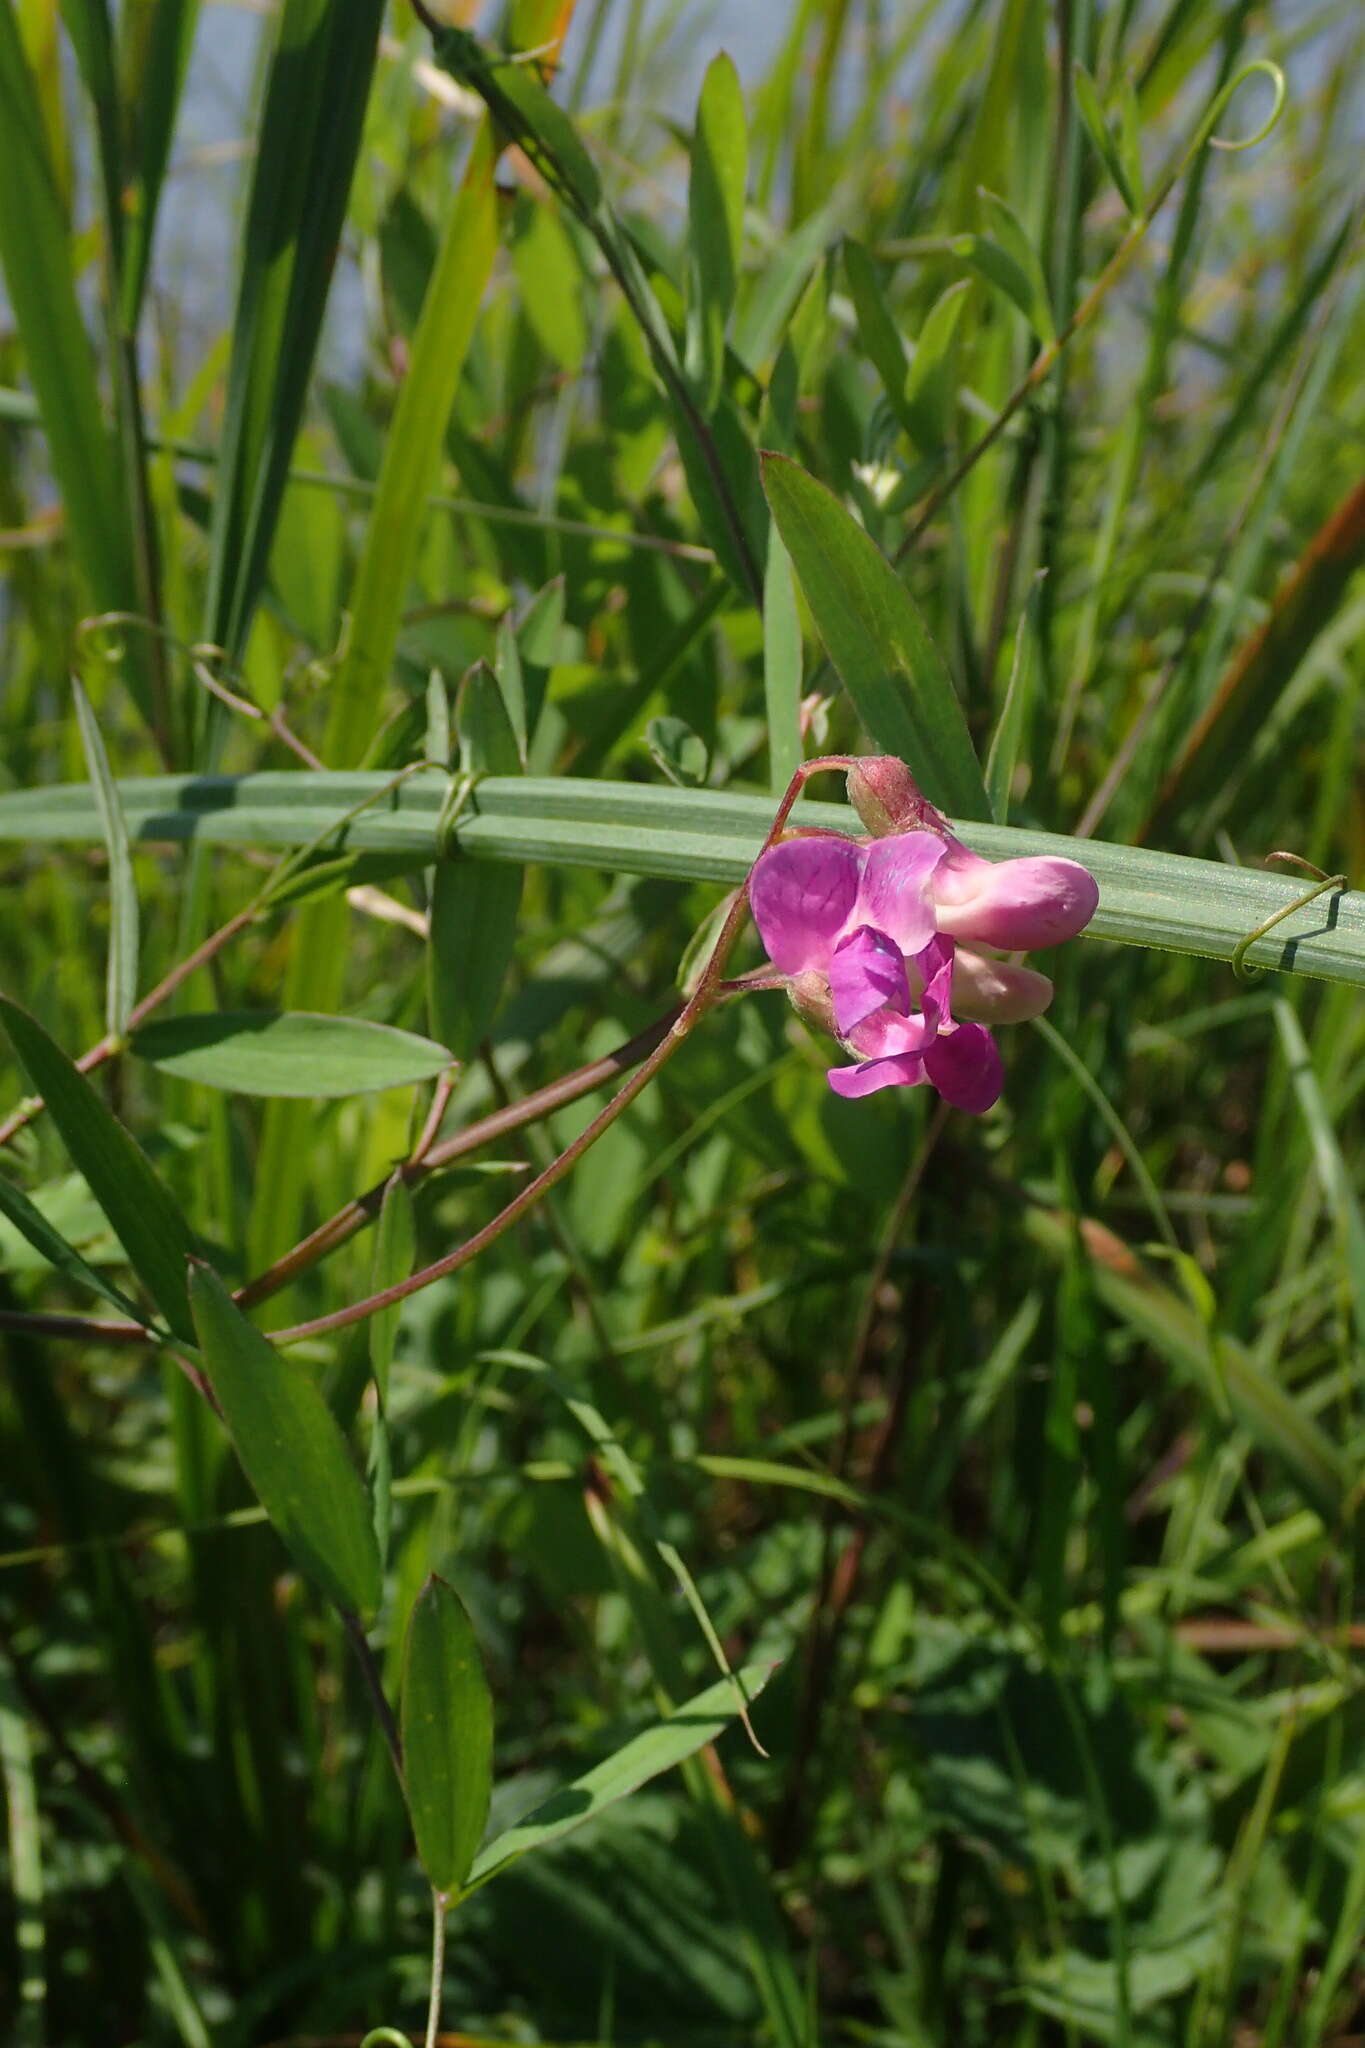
[{"x": 880, "y": 944}]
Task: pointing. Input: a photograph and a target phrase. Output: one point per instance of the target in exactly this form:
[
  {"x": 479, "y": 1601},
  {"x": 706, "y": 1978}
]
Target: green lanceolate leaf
[
  {"x": 29, "y": 1220},
  {"x": 646, "y": 1756},
  {"x": 140, "y": 1209},
  {"x": 121, "y": 982},
  {"x": 1011, "y": 238},
  {"x": 877, "y": 330},
  {"x": 488, "y": 737},
  {"x": 678, "y": 751},
  {"x": 929, "y": 382},
  {"x": 291, "y": 1448},
  {"x": 876, "y": 639},
  {"x": 265, "y": 1052},
  {"x": 447, "y": 1727},
  {"x": 1117, "y": 160},
  {"x": 715, "y": 206}
]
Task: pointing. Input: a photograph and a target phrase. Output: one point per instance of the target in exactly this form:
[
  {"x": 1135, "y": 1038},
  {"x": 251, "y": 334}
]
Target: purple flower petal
[
  {"x": 802, "y": 894},
  {"x": 934, "y": 969},
  {"x": 964, "y": 1066},
  {"x": 887, "y": 1034},
  {"x": 866, "y": 973},
  {"x": 902, "y": 1071},
  {"x": 894, "y": 896},
  {"x": 1014, "y": 904}
]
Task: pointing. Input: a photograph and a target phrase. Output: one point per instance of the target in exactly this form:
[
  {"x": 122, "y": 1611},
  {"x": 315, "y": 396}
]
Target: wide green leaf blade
[
  {"x": 645, "y": 1756},
  {"x": 447, "y": 1728},
  {"x": 291, "y": 1448},
  {"x": 123, "y": 1181},
  {"x": 876, "y": 639},
  {"x": 293, "y": 1052}
]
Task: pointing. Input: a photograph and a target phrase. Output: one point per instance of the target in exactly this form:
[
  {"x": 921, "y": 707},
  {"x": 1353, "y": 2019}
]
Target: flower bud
[
  {"x": 1013, "y": 904},
  {"x": 996, "y": 992},
  {"x": 887, "y": 798}
]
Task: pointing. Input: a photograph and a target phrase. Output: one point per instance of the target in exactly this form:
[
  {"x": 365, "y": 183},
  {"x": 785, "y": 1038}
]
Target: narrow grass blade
[
  {"x": 876, "y": 639},
  {"x": 1343, "y": 1205},
  {"x": 1264, "y": 666},
  {"x": 309, "y": 136},
  {"x": 291, "y": 1448},
  {"x": 267, "y": 1052},
  {"x": 1015, "y": 718},
  {"x": 156, "y": 39},
  {"x": 646, "y": 1756},
  {"x": 447, "y": 1725},
  {"x": 122, "y": 1179},
  {"x": 36, "y": 250},
  {"x": 781, "y": 665},
  {"x": 1221, "y": 1367},
  {"x": 25, "y": 1868},
  {"x": 121, "y": 983}
]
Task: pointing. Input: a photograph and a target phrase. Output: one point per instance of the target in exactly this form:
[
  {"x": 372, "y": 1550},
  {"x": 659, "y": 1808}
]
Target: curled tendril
[
  {"x": 1266, "y": 68},
  {"x": 386, "y": 2037},
  {"x": 1240, "y": 966}
]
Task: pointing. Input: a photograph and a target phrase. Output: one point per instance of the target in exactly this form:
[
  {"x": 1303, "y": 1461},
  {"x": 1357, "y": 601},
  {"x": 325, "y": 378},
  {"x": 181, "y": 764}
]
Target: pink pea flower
[
  {"x": 857, "y": 922},
  {"x": 865, "y": 935}
]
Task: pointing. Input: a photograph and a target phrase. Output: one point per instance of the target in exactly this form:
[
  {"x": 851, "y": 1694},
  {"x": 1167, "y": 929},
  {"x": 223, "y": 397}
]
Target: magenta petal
[
  {"x": 886, "y": 1034},
  {"x": 902, "y": 1071},
  {"x": 934, "y": 968},
  {"x": 895, "y": 889},
  {"x": 1014, "y": 904},
  {"x": 964, "y": 1066},
  {"x": 866, "y": 973},
  {"x": 802, "y": 895}
]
